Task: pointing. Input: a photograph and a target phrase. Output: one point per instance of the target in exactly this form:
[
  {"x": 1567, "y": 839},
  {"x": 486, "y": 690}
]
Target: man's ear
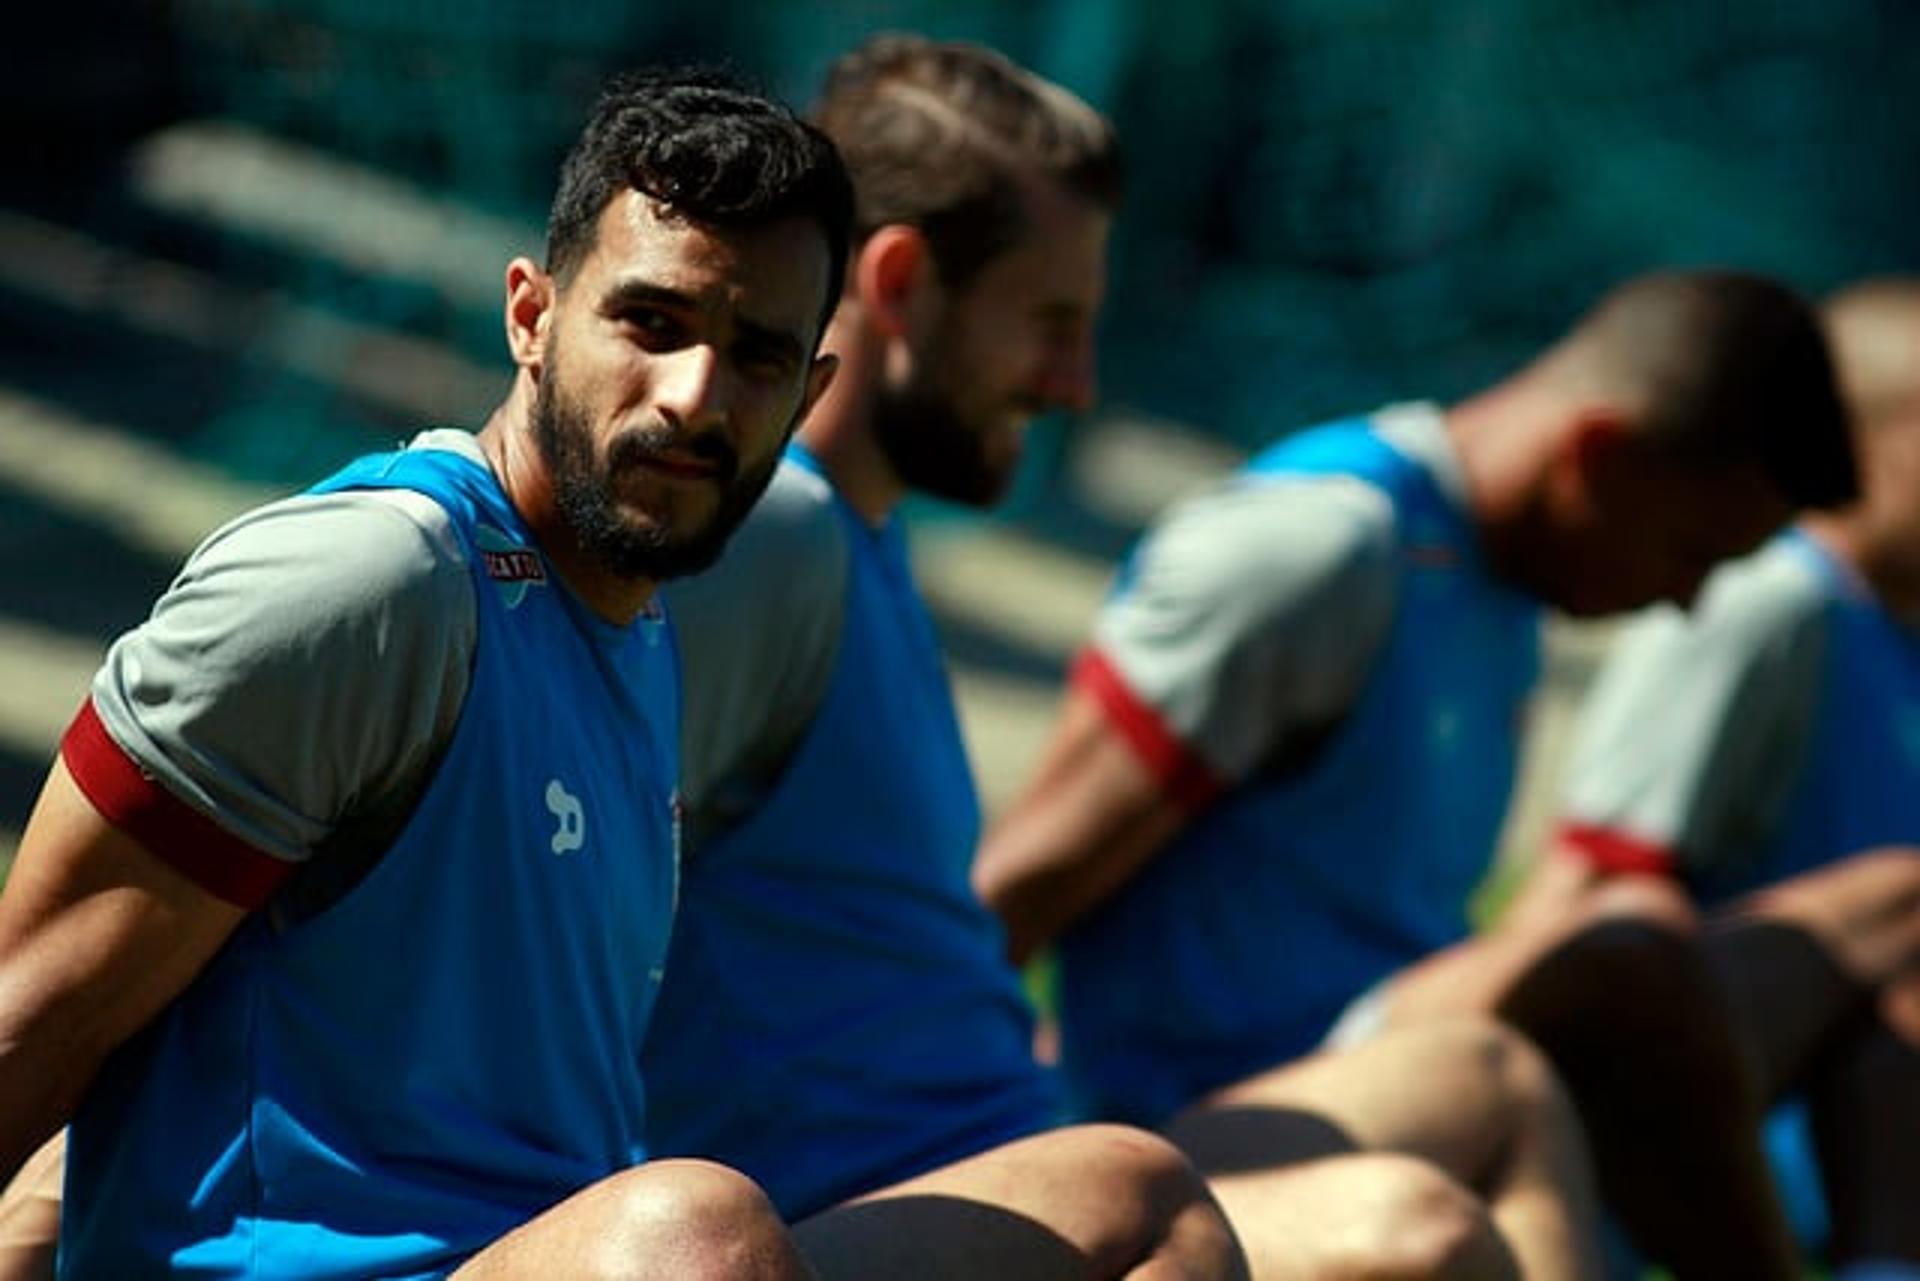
[
  {"x": 1595, "y": 451},
  {"x": 529, "y": 313},
  {"x": 892, "y": 278},
  {"x": 819, "y": 378}
]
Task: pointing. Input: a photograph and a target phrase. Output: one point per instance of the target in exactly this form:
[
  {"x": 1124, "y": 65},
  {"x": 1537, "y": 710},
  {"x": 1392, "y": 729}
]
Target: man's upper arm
[
  {"x": 1689, "y": 739},
  {"x": 306, "y": 666},
  {"x": 1242, "y": 633},
  {"x": 301, "y": 665},
  {"x": 1245, "y": 629}
]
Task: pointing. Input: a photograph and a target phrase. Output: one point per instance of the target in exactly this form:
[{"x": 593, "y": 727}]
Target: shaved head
[{"x": 1721, "y": 366}]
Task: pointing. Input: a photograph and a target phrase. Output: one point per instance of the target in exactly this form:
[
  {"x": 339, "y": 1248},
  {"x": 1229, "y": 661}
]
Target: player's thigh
[
  {"x": 1374, "y": 1215},
  {"x": 1449, "y": 1090},
  {"x": 674, "y": 1220},
  {"x": 1050, "y": 1204}
]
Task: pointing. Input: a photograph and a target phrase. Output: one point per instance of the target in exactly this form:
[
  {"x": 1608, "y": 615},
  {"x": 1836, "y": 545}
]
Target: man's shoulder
[
  {"x": 384, "y": 541},
  {"x": 800, "y": 503},
  {"x": 759, "y": 641},
  {"x": 787, "y": 561},
  {"x": 793, "y": 533},
  {"x": 1275, "y": 559},
  {"x": 1287, "y": 529},
  {"x": 1785, "y": 587},
  {"x": 1756, "y": 631}
]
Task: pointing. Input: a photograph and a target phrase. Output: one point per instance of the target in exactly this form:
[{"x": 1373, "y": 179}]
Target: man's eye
[
  {"x": 653, "y": 328},
  {"x": 771, "y": 360}
]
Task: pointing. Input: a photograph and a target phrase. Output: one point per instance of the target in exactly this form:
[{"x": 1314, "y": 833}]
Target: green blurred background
[{"x": 242, "y": 241}]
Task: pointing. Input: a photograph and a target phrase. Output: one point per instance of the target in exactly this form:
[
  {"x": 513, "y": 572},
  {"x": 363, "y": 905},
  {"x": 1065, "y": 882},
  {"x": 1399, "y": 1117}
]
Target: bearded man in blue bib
[{"x": 339, "y": 922}]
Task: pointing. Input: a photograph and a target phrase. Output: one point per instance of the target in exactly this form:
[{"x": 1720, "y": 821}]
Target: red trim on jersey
[
  {"x": 191, "y": 843},
  {"x": 1187, "y": 779},
  {"x": 1614, "y": 852}
]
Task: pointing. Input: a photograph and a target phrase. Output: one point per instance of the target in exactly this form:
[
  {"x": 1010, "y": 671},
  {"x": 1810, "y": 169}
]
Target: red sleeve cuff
[
  {"x": 191, "y": 843},
  {"x": 1613, "y": 852},
  {"x": 1188, "y": 780}
]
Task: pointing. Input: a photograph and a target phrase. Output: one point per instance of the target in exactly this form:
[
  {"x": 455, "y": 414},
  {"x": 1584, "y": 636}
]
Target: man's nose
[{"x": 690, "y": 385}]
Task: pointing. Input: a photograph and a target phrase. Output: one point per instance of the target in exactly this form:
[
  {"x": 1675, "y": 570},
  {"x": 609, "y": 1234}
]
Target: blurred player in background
[
  {"x": 1285, "y": 757},
  {"x": 833, "y": 978},
  {"x": 1757, "y": 758},
  {"x": 821, "y": 744}
]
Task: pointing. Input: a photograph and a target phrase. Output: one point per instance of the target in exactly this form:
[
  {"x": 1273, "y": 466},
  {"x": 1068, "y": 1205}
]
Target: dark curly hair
[{"x": 711, "y": 149}]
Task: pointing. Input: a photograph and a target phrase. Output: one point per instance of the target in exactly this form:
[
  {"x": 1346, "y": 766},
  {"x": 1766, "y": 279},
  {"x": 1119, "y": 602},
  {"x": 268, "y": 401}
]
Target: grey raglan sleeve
[
  {"x": 307, "y": 663},
  {"x": 759, "y": 635},
  {"x": 1250, "y": 619},
  {"x": 1692, "y": 734}
]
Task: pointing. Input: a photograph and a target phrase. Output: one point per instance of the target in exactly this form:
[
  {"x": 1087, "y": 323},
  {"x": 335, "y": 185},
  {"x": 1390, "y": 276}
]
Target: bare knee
[
  {"x": 1490, "y": 1051},
  {"x": 1157, "y": 1207},
  {"x": 691, "y": 1219},
  {"x": 1523, "y": 1078},
  {"x": 1407, "y": 1219},
  {"x": 1492, "y": 1066}
]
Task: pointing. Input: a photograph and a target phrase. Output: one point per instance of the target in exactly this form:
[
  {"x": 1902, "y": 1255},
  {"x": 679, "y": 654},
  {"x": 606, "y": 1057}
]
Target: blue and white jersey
[
  {"x": 1316, "y": 661},
  {"x": 1859, "y": 782},
  {"x": 1771, "y": 730},
  {"x": 838, "y": 1013},
  {"x": 382, "y": 1080}
]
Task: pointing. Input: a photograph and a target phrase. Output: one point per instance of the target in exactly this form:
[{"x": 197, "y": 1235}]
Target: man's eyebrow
[{"x": 626, "y": 294}]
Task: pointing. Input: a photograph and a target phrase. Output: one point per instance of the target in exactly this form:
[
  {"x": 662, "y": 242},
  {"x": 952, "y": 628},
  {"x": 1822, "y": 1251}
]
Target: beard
[
  {"x": 627, "y": 547},
  {"x": 935, "y": 452}
]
